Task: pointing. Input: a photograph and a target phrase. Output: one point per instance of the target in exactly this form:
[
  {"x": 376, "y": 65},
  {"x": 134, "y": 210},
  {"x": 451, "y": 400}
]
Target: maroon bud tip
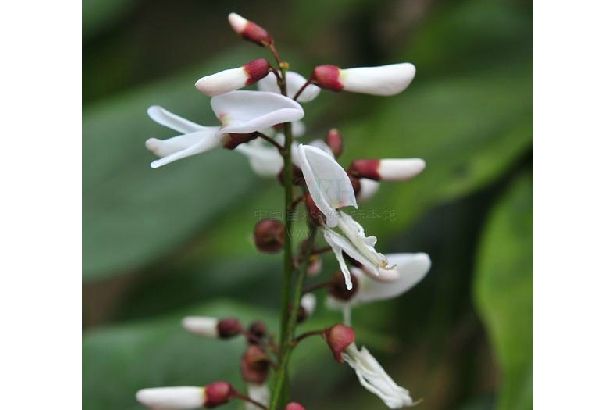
[
  {"x": 254, "y": 365},
  {"x": 339, "y": 337},
  {"x": 355, "y": 184},
  {"x": 335, "y": 142},
  {"x": 315, "y": 215},
  {"x": 256, "y": 70},
  {"x": 232, "y": 141},
  {"x": 294, "y": 406},
  {"x": 217, "y": 393},
  {"x": 339, "y": 291},
  {"x": 327, "y": 76},
  {"x": 365, "y": 168},
  {"x": 256, "y": 332},
  {"x": 269, "y": 235},
  {"x": 229, "y": 327}
]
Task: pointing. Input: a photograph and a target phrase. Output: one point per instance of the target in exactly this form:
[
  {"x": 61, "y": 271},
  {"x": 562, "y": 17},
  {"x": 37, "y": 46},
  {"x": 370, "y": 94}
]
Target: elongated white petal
[
  {"x": 374, "y": 378},
  {"x": 308, "y": 302},
  {"x": 294, "y": 82},
  {"x": 382, "y": 80},
  {"x": 177, "y": 148},
  {"x": 328, "y": 183},
  {"x": 368, "y": 188},
  {"x": 223, "y": 81},
  {"x": 400, "y": 169},
  {"x": 172, "y": 121},
  {"x": 201, "y": 325},
  {"x": 249, "y": 111},
  {"x": 259, "y": 393},
  {"x": 264, "y": 160},
  {"x": 172, "y": 398}
]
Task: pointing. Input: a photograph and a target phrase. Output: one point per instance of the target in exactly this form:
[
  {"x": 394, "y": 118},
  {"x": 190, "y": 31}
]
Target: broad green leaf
[{"x": 503, "y": 292}]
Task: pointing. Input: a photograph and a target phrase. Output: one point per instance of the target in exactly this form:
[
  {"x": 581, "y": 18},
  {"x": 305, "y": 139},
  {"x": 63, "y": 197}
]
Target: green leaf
[{"x": 503, "y": 292}]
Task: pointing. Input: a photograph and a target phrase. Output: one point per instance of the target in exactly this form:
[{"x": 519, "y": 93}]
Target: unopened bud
[
  {"x": 315, "y": 265},
  {"x": 249, "y": 30},
  {"x": 308, "y": 306},
  {"x": 218, "y": 393},
  {"x": 387, "y": 169},
  {"x": 339, "y": 290},
  {"x": 328, "y": 77},
  {"x": 381, "y": 80},
  {"x": 256, "y": 332},
  {"x": 339, "y": 337},
  {"x": 201, "y": 325},
  {"x": 233, "y": 78},
  {"x": 254, "y": 365},
  {"x": 173, "y": 398},
  {"x": 314, "y": 213},
  {"x": 233, "y": 140},
  {"x": 294, "y": 406},
  {"x": 229, "y": 327},
  {"x": 335, "y": 142},
  {"x": 269, "y": 235},
  {"x": 297, "y": 176}
]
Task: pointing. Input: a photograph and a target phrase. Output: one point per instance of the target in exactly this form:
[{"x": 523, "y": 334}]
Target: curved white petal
[
  {"x": 172, "y": 121},
  {"x": 374, "y": 378},
  {"x": 368, "y": 188},
  {"x": 172, "y": 398},
  {"x": 328, "y": 183},
  {"x": 249, "y": 111},
  {"x": 383, "y": 80},
  {"x": 177, "y": 148},
  {"x": 294, "y": 81},
  {"x": 265, "y": 161}
]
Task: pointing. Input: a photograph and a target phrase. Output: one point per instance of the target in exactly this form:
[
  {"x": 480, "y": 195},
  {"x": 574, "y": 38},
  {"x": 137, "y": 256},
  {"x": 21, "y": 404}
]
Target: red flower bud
[
  {"x": 217, "y": 393},
  {"x": 294, "y": 406},
  {"x": 316, "y": 217},
  {"x": 256, "y": 70},
  {"x": 269, "y": 235},
  {"x": 249, "y": 30},
  {"x": 231, "y": 141},
  {"x": 228, "y": 328},
  {"x": 339, "y": 337},
  {"x": 365, "y": 168},
  {"x": 256, "y": 332},
  {"x": 297, "y": 176},
  {"x": 254, "y": 365},
  {"x": 396, "y": 169},
  {"x": 327, "y": 76},
  {"x": 335, "y": 141},
  {"x": 339, "y": 291}
]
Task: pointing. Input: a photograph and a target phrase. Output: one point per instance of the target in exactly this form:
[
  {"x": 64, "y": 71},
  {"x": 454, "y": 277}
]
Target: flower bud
[
  {"x": 269, "y": 235},
  {"x": 315, "y": 265},
  {"x": 256, "y": 332},
  {"x": 297, "y": 176},
  {"x": 307, "y": 307},
  {"x": 201, "y": 325},
  {"x": 254, "y": 365},
  {"x": 218, "y": 393},
  {"x": 249, "y": 30},
  {"x": 381, "y": 80},
  {"x": 367, "y": 189},
  {"x": 339, "y": 290},
  {"x": 339, "y": 337},
  {"x": 294, "y": 406},
  {"x": 315, "y": 215},
  {"x": 335, "y": 141},
  {"x": 233, "y": 78},
  {"x": 229, "y": 328},
  {"x": 387, "y": 169},
  {"x": 233, "y": 140},
  {"x": 186, "y": 397}
]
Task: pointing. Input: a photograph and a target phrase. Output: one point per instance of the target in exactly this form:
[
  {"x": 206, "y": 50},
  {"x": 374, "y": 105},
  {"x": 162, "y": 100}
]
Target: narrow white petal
[
  {"x": 222, "y": 82},
  {"x": 163, "y": 148},
  {"x": 400, "y": 169},
  {"x": 264, "y": 160},
  {"x": 259, "y": 393},
  {"x": 172, "y": 398},
  {"x": 328, "y": 183},
  {"x": 368, "y": 188},
  {"x": 172, "y": 121},
  {"x": 294, "y": 81},
  {"x": 374, "y": 378},
  {"x": 207, "y": 140},
  {"x": 308, "y": 302},
  {"x": 249, "y": 111},
  {"x": 382, "y": 80},
  {"x": 364, "y": 244},
  {"x": 201, "y": 325}
]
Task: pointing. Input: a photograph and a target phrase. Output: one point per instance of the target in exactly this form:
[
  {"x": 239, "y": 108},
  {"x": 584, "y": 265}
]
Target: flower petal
[
  {"x": 382, "y": 80},
  {"x": 264, "y": 160},
  {"x": 328, "y": 183},
  {"x": 172, "y": 121},
  {"x": 177, "y": 148},
  {"x": 249, "y": 111},
  {"x": 294, "y": 82}
]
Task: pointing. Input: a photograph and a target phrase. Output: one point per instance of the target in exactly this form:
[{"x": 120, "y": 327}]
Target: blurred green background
[{"x": 159, "y": 244}]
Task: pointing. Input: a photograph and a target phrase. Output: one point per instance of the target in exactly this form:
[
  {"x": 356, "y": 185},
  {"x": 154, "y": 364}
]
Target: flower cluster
[{"x": 262, "y": 125}]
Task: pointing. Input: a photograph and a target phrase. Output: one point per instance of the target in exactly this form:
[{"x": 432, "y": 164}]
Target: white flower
[
  {"x": 259, "y": 393},
  {"x": 328, "y": 183},
  {"x": 353, "y": 241},
  {"x": 382, "y": 80},
  {"x": 233, "y": 78},
  {"x": 294, "y": 82},
  {"x": 195, "y": 138},
  {"x": 172, "y": 398},
  {"x": 250, "y": 111},
  {"x": 374, "y": 378},
  {"x": 411, "y": 268}
]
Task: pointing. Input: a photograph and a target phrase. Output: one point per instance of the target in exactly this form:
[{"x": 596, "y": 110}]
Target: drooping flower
[
  {"x": 382, "y": 80},
  {"x": 233, "y": 78},
  {"x": 294, "y": 82},
  {"x": 411, "y": 268},
  {"x": 185, "y": 397}
]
